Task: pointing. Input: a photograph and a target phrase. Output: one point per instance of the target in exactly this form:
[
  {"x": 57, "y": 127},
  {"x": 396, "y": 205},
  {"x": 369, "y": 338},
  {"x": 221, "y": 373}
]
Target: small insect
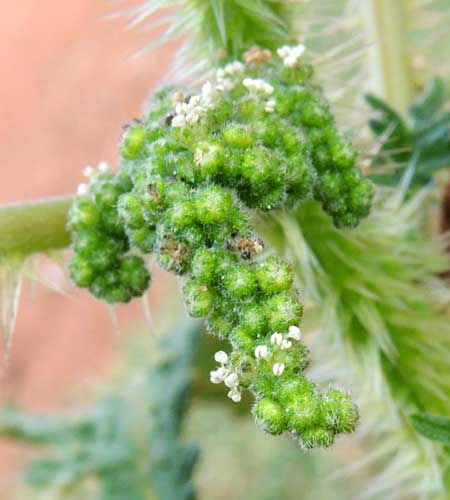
[
  {"x": 246, "y": 247},
  {"x": 169, "y": 119}
]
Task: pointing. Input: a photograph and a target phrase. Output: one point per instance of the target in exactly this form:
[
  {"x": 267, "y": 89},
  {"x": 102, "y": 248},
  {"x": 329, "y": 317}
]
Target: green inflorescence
[{"x": 260, "y": 137}]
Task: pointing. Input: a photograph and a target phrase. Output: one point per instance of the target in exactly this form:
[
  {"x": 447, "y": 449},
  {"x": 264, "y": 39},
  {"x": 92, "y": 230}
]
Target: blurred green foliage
[{"x": 420, "y": 144}]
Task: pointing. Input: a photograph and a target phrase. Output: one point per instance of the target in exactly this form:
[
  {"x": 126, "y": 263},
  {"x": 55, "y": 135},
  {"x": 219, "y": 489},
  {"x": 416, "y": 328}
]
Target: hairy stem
[
  {"x": 390, "y": 73},
  {"x": 34, "y": 226}
]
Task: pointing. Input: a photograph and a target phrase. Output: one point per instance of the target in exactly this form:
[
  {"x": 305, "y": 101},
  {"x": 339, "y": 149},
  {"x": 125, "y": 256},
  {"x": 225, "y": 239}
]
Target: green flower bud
[
  {"x": 339, "y": 411},
  {"x": 198, "y": 299},
  {"x": 213, "y": 204},
  {"x": 133, "y": 142},
  {"x": 181, "y": 214},
  {"x": 204, "y": 265},
  {"x": 283, "y": 310},
  {"x": 84, "y": 214},
  {"x": 81, "y": 271},
  {"x": 242, "y": 340},
  {"x": 274, "y": 275},
  {"x": 303, "y": 412},
  {"x": 270, "y": 416},
  {"x": 134, "y": 275},
  {"x": 260, "y": 166},
  {"x": 130, "y": 210},
  {"x": 238, "y": 136},
  {"x": 144, "y": 238},
  {"x": 316, "y": 437},
  {"x": 208, "y": 157},
  {"x": 240, "y": 281},
  {"x": 253, "y": 319}
]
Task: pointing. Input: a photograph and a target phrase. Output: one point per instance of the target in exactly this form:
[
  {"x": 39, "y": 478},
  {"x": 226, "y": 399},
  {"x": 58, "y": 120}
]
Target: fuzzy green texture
[
  {"x": 222, "y": 29},
  {"x": 385, "y": 320},
  {"x": 260, "y": 137}
]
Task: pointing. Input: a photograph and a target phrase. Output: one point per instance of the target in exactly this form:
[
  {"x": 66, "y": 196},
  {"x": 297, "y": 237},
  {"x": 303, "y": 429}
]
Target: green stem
[
  {"x": 34, "y": 226},
  {"x": 390, "y": 72}
]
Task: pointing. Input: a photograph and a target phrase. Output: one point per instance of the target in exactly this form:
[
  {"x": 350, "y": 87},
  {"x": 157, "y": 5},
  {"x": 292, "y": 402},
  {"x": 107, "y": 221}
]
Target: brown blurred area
[{"x": 68, "y": 85}]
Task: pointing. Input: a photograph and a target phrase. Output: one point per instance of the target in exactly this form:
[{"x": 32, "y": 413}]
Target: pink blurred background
[{"x": 68, "y": 85}]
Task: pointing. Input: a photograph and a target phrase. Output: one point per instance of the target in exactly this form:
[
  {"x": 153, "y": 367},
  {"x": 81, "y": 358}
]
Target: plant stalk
[
  {"x": 34, "y": 226},
  {"x": 390, "y": 72}
]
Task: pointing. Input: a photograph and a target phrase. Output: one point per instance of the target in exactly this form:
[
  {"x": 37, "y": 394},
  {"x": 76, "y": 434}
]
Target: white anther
[
  {"x": 235, "y": 395},
  {"x": 278, "y": 369},
  {"x": 294, "y": 333},
  {"x": 291, "y": 55},
  {"x": 257, "y": 85},
  {"x": 103, "y": 167},
  {"x": 286, "y": 344},
  {"x": 276, "y": 338},
  {"x": 233, "y": 68},
  {"x": 261, "y": 352},
  {"x": 89, "y": 171},
  {"x": 82, "y": 189},
  {"x": 215, "y": 378},
  {"x": 221, "y": 357},
  {"x": 231, "y": 380},
  {"x": 178, "y": 121}
]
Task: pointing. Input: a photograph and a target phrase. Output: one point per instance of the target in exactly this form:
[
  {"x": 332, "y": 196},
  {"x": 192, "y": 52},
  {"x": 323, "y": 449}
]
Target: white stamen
[
  {"x": 89, "y": 171},
  {"x": 276, "y": 338},
  {"x": 291, "y": 55},
  {"x": 235, "y": 395},
  {"x": 82, "y": 189},
  {"x": 257, "y": 85},
  {"x": 231, "y": 380},
  {"x": 261, "y": 352},
  {"x": 103, "y": 167},
  {"x": 286, "y": 344},
  {"x": 294, "y": 333},
  {"x": 221, "y": 357},
  {"x": 215, "y": 378},
  {"x": 278, "y": 369}
]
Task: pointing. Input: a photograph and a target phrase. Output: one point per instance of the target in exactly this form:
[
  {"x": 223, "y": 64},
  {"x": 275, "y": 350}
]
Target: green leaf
[
  {"x": 424, "y": 137},
  {"x": 434, "y": 427}
]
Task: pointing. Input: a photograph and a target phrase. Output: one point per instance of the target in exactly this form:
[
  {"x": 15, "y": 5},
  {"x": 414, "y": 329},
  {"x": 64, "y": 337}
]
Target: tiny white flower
[
  {"x": 261, "y": 352},
  {"x": 278, "y": 369},
  {"x": 286, "y": 344},
  {"x": 294, "y": 332},
  {"x": 179, "y": 121},
  {"x": 221, "y": 357},
  {"x": 276, "y": 338},
  {"x": 103, "y": 167},
  {"x": 215, "y": 377},
  {"x": 235, "y": 395},
  {"x": 82, "y": 189},
  {"x": 231, "y": 380}
]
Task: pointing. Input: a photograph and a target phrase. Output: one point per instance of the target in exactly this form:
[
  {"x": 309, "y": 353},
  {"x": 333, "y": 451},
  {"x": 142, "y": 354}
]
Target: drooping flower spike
[{"x": 260, "y": 136}]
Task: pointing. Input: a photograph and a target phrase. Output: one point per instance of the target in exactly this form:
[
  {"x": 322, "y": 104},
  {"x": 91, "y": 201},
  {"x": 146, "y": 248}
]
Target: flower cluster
[{"x": 259, "y": 136}]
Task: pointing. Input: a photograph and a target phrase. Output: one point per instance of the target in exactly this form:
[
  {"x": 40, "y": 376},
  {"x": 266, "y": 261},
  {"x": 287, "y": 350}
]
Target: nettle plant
[
  {"x": 259, "y": 137},
  {"x": 247, "y": 184}
]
